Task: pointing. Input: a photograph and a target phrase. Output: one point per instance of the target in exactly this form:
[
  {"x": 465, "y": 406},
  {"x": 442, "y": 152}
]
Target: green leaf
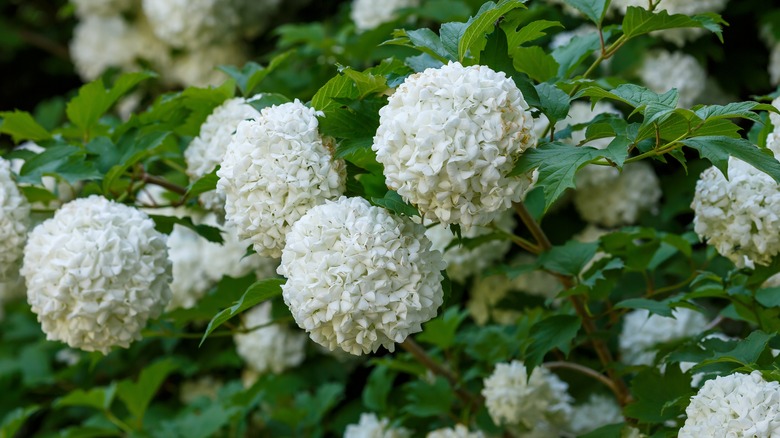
[
  {"x": 571, "y": 55},
  {"x": 475, "y": 36},
  {"x": 769, "y": 297},
  {"x": 378, "y": 387},
  {"x": 252, "y": 74},
  {"x": 366, "y": 82},
  {"x": 451, "y": 34},
  {"x": 132, "y": 147},
  {"x": 557, "y": 331},
  {"x": 98, "y": 398},
  {"x": 554, "y": 102},
  {"x": 527, "y": 32},
  {"x": 424, "y": 40},
  {"x": 38, "y": 194},
  {"x": 743, "y": 110},
  {"x": 633, "y": 95},
  {"x": 20, "y": 125},
  {"x": 717, "y": 150},
  {"x": 165, "y": 224},
  {"x": 137, "y": 396},
  {"x": 14, "y": 420},
  {"x": 316, "y": 406},
  {"x": 557, "y": 163},
  {"x": 593, "y": 9},
  {"x": 259, "y": 292},
  {"x": 204, "y": 184},
  {"x": 658, "y": 307},
  {"x": 358, "y": 152},
  {"x": 746, "y": 352},
  {"x": 568, "y": 259},
  {"x": 639, "y": 21},
  {"x": 428, "y": 400},
  {"x": 535, "y": 62},
  {"x": 653, "y": 390},
  {"x": 441, "y": 331},
  {"x": 393, "y": 202},
  {"x": 64, "y": 160},
  {"x": 264, "y": 100}
]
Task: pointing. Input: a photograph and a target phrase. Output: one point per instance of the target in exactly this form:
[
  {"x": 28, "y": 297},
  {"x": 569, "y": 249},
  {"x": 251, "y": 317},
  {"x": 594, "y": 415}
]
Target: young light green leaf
[
  {"x": 366, "y": 82},
  {"x": 482, "y": 24},
  {"x": 98, "y": 398},
  {"x": 593, "y": 9},
  {"x": 20, "y": 125},
  {"x": 137, "y": 396},
  {"x": 535, "y": 62},
  {"x": 557, "y": 331},
  {"x": 259, "y": 292},
  {"x": 527, "y": 32},
  {"x": 718, "y": 149}
]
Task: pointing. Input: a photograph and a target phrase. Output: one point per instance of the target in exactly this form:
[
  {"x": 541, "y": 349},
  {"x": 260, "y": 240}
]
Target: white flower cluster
[
  {"x": 459, "y": 431},
  {"x": 359, "y": 277},
  {"x": 463, "y": 262},
  {"x": 101, "y": 42},
  {"x": 661, "y": 71},
  {"x": 740, "y": 216},
  {"x": 274, "y": 347},
  {"x": 14, "y": 221},
  {"x": 642, "y": 332},
  {"x": 512, "y": 398},
  {"x": 191, "y": 23},
  {"x": 86, "y": 8},
  {"x": 449, "y": 137},
  {"x": 487, "y": 292},
  {"x": 370, "y": 14},
  {"x": 192, "y": 390},
  {"x": 738, "y": 405},
  {"x": 611, "y": 199},
  {"x": 276, "y": 168},
  {"x": 598, "y": 411},
  {"x": 208, "y": 149},
  {"x": 96, "y": 273},
  {"x": 677, "y": 36},
  {"x": 774, "y": 64},
  {"x": 370, "y": 426},
  {"x": 198, "y": 67}
]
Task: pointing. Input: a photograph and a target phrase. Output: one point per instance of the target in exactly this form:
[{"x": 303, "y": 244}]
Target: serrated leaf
[
  {"x": 366, "y": 82},
  {"x": 743, "y": 110},
  {"x": 424, "y": 40},
  {"x": 393, "y": 202},
  {"x": 593, "y": 9},
  {"x": 441, "y": 331},
  {"x": 451, "y": 34},
  {"x": 20, "y": 125},
  {"x": 527, "y": 32},
  {"x": 98, "y": 398},
  {"x": 568, "y": 259},
  {"x": 257, "y": 293},
  {"x": 554, "y": 102},
  {"x": 482, "y": 24},
  {"x": 746, "y": 352},
  {"x": 718, "y": 149},
  {"x": 653, "y": 390},
  {"x": 557, "y": 331},
  {"x": 138, "y": 395},
  {"x": 633, "y": 95},
  {"x": 639, "y": 21},
  {"x": 252, "y": 73},
  {"x": 557, "y": 163}
]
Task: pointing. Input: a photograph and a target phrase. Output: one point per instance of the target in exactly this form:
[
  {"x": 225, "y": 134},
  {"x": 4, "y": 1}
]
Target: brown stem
[
  {"x": 602, "y": 351},
  {"x": 156, "y": 180},
  {"x": 421, "y": 356},
  {"x": 586, "y": 371},
  {"x": 44, "y": 43}
]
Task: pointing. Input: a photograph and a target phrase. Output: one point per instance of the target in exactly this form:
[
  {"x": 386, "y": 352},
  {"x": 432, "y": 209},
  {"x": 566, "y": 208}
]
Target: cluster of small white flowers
[
  {"x": 192, "y": 390},
  {"x": 464, "y": 262},
  {"x": 192, "y": 23},
  {"x": 101, "y": 42},
  {"x": 101, "y": 7},
  {"x": 661, "y": 71},
  {"x": 198, "y": 67},
  {"x": 512, "y": 398},
  {"x": 370, "y": 14},
  {"x": 738, "y": 405},
  {"x": 370, "y": 426},
  {"x": 449, "y": 137},
  {"x": 208, "y": 149},
  {"x": 774, "y": 64},
  {"x": 598, "y": 411},
  {"x": 642, "y": 332},
  {"x": 487, "y": 292},
  {"x": 678, "y": 36},
  {"x": 359, "y": 277},
  {"x": 14, "y": 221},
  {"x": 739, "y": 217},
  {"x": 95, "y": 273},
  {"x": 459, "y": 431},
  {"x": 68, "y": 356},
  {"x": 608, "y": 199},
  {"x": 273, "y": 348},
  {"x": 276, "y": 168}
]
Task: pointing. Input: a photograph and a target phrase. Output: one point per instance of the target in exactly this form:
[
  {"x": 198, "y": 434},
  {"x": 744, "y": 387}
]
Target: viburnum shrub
[{"x": 435, "y": 218}]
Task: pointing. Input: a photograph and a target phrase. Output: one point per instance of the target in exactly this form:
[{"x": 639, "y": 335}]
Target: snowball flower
[
  {"x": 678, "y": 36},
  {"x": 192, "y": 390},
  {"x": 96, "y": 272},
  {"x": 273, "y": 348},
  {"x": 370, "y": 426},
  {"x": 512, "y": 398},
  {"x": 610, "y": 198},
  {"x": 14, "y": 220},
  {"x": 369, "y": 14},
  {"x": 774, "y": 64},
  {"x": 198, "y": 67},
  {"x": 459, "y": 431},
  {"x": 359, "y": 277},
  {"x": 598, "y": 411},
  {"x": 206, "y": 150},
  {"x": 192, "y": 23},
  {"x": 464, "y": 262},
  {"x": 448, "y": 139},
  {"x": 102, "y": 42},
  {"x": 661, "y": 71},
  {"x": 86, "y": 8},
  {"x": 740, "y": 216},
  {"x": 276, "y": 168},
  {"x": 738, "y": 405},
  {"x": 643, "y": 332}
]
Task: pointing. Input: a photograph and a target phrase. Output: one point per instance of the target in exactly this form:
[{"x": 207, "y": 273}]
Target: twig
[
  {"x": 156, "y": 180},
  {"x": 583, "y": 370}
]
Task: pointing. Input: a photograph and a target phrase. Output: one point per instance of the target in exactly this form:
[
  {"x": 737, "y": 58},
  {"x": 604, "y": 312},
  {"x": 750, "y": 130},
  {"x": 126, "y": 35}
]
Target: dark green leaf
[
  {"x": 441, "y": 331},
  {"x": 378, "y": 387},
  {"x": 568, "y": 259},
  {"x": 262, "y": 290},
  {"x": 557, "y": 331},
  {"x": 718, "y": 149},
  {"x": 653, "y": 390},
  {"x": 250, "y": 76},
  {"x": 593, "y": 9},
  {"x": 14, "y": 420},
  {"x": 393, "y": 202},
  {"x": 554, "y": 102},
  {"x": 164, "y": 224},
  {"x": 658, "y": 307},
  {"x": 481, "y": 25},
  {"x": 769, "y": 297},
  {"x": 137, "y": 396},
  {"x": 744, "y": 110},
  {"x": 639, "y": 21},
  {"x": 527, "y": 32},
  {"x": 204, "y": 184},
  {"x": 264, "y": 100},
  {"x": 428, "y": 400}
]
